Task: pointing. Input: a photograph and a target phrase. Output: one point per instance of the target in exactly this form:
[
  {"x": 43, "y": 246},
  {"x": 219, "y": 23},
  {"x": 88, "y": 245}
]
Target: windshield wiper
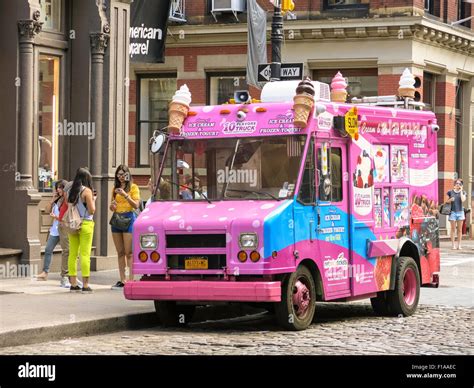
[
  {"x": 255, "y": 192},
  {"x": 190, "y": 188}
]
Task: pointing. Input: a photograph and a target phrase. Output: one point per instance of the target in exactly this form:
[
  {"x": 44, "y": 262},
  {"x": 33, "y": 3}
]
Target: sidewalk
[{"x": 34, "y": 311}]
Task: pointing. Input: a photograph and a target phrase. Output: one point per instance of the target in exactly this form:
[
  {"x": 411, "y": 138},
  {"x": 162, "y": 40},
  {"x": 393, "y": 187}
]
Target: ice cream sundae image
[
  {"x": 407, "y": 85},
  {"x": 363, "y": 176},
  {"x": 338, "y": 88},
  {"x": 380, "y": 161},
  {"x": 303, "y": 102},
  {"x": 178, "y": 109}
]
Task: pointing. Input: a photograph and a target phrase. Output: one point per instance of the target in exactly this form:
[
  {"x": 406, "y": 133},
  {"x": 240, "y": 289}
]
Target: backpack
[{"x": 72, "y": 220}]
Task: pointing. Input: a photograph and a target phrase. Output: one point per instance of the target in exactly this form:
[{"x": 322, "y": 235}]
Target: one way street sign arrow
[{"x": 289, "y": 71}]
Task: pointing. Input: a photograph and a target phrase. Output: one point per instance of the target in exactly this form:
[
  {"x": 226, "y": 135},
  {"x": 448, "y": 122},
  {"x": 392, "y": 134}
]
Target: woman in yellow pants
[{"x": 82, "y": 194}]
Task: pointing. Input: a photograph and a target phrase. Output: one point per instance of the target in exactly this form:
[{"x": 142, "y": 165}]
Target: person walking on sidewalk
[
  {"x": 82, "y": 195},
  {"x": 57, "y": 234},
  {"x": 456, "y": 196},
  {"x": 125, "y": 200}
]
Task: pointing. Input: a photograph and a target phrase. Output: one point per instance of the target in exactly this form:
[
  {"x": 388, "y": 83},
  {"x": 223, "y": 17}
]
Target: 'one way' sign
[{"x": 289, "y": 71}]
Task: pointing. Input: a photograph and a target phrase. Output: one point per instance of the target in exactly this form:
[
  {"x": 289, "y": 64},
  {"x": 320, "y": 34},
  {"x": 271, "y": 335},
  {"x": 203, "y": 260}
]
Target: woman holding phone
[
  {"x": 456, "y": 196},
  {"x": 125, "y": 200}
]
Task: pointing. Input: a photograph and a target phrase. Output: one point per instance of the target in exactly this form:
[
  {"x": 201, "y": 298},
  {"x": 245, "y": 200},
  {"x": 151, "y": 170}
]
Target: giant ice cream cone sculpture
[
  {"x": 179, "y": 108},
  {"x": 407, "y": 84},
  {"x": 303, "y": 102},
  {"x": 338, "y": 88}
]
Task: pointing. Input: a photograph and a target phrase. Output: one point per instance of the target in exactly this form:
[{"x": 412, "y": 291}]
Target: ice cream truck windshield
[{"x": 256, "y": 168}]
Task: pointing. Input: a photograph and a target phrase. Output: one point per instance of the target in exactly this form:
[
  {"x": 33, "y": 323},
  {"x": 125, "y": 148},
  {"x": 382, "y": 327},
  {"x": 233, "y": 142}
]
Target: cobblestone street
[{"x": 340, "y": 329}]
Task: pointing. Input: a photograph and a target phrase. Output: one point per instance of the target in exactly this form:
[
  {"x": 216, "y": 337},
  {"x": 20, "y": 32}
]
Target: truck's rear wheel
[
  {"x": 298, "y": 300},
  {"x": 171, "y": 314},
  {"x": 403, "y": 300}
]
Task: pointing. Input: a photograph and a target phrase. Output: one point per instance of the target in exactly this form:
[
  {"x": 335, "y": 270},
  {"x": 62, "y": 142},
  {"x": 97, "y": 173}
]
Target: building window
[
  {"x": 335, "y": 4},
  {"x": 51, "y": 14},
  {"x": 48, "y": 118},
  {"x": 429, "y": 90},
  {"x": 361, "y": 82},
  {"x": 222, "y": 87},
  {"x": 154, "y": 96}
]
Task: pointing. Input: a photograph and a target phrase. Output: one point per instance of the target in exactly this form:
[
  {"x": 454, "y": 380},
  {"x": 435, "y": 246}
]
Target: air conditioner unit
[{"x": 228, "y": 6}]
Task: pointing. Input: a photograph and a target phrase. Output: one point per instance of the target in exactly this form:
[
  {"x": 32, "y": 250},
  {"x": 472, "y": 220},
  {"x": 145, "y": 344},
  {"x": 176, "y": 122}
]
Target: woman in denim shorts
[
  {"x": 456, "y": 196},
  {"x": 125, "y": 200}
]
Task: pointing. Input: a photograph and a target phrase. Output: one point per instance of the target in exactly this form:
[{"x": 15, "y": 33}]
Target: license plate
[{"x": 196, "y": 263}]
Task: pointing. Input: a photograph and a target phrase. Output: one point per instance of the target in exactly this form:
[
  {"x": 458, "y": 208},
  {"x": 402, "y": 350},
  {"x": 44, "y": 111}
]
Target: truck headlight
[
  {"x": 148, "y": 241},
  {"x": 248, "y": 241}
]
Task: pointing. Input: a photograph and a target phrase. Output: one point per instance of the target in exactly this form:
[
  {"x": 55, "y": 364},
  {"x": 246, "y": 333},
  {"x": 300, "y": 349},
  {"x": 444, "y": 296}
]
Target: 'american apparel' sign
[{"x": 148, "y": 22}]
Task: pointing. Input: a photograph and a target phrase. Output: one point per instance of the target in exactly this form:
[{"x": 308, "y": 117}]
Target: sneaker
[
  {"x": 75, "y": 289},
  {"x": 65, "y": 282},
  {"x": 118, "y": 286},
  {"x": 86, "y": 290}
]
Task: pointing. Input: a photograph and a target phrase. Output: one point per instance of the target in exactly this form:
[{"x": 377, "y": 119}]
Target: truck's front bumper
[{"x": 197, "y": 290}]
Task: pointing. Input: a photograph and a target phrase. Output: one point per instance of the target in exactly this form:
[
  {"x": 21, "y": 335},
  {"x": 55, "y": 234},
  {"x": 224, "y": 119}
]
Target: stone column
[
  {"x": 445, "y": 113},
  {"x": 99, "y": 42},
  {"x": 27, "y": 30}
]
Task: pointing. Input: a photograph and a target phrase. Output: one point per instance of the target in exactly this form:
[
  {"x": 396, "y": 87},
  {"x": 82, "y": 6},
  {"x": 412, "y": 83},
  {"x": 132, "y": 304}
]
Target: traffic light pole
[{"x": 277, "y": 39}]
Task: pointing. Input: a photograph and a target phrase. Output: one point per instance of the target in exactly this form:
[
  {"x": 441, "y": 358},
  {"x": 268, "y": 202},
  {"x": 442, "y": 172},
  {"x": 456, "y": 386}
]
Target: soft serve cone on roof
[
  {"x": 407, "y": 85},
  {"x": 338, "y": 88},
  {"x": 179, "y": 108},
  {"x": 303, "y": 102}
]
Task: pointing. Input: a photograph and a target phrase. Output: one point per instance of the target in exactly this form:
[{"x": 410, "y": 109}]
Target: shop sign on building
[{"x": 148, "y": 23}]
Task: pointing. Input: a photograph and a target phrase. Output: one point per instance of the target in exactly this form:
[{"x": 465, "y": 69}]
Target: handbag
[
  {"x": 120, "y": 221},
  {"x": 445, "y": 208}
]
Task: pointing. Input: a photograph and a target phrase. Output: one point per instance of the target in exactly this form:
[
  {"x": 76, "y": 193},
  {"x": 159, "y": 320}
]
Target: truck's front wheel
[
  {"x": 171, "y": 314},
  {"x": 403, "y": 300},
  {"x": 298, "y": 300}
]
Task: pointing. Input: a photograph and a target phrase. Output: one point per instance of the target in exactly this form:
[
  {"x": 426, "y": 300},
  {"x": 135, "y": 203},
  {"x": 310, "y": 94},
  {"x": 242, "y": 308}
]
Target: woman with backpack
[
  {"x": 57, "y": 234},
  {"x": 125, "y": 201},
  {"x": 81, "y": 195}
]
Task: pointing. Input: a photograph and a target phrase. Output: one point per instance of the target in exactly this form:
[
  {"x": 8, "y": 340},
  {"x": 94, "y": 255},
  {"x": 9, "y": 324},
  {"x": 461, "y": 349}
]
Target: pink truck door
[{"x": 332, "y": 217}]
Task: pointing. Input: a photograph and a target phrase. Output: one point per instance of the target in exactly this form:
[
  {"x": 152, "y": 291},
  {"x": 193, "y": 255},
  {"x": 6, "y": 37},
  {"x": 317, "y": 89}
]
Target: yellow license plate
[{"x": 196, "y": 263}]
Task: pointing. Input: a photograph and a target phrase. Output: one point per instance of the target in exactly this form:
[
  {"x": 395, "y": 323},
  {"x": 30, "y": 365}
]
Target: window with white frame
[
  {"x": 222, "y": 87},
  {"x": 154, "y": 96}
]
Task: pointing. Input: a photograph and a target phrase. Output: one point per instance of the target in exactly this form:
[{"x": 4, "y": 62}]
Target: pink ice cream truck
[{"x": 252, "y": 208}]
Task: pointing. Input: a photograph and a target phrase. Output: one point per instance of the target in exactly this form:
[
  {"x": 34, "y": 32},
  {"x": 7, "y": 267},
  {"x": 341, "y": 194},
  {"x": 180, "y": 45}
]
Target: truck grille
[
  {"x": 195, "y": 241},
  {"x": 209, "y": 247}
]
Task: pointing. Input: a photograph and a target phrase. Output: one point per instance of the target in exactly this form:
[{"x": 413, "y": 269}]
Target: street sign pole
[{"x": 276, "y": 39}]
